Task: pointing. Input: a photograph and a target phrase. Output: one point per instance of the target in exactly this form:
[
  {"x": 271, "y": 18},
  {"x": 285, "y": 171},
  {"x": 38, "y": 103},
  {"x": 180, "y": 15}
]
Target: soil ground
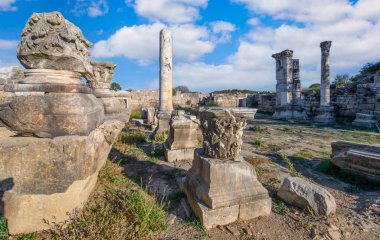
[{"x": 358, "y": 205}]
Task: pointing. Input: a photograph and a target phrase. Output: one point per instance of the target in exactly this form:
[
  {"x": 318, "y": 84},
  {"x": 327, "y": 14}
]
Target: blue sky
[{"x": 217, "y": 44}]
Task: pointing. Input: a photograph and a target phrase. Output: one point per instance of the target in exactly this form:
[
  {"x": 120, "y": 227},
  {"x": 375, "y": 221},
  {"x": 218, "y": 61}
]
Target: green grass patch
[
  {"x": 136, "y": 114},
  {"x": 287, "y": 129},
  {"x": 133, "y": 137},
  {"x": 160, "y": 137},
  {"x": 197, "y": 225},
  {"x": 258, "y": 129},
  {"x": 357, "y": 181},
  {"x": 279, "y": 207},
  {"x": 303, "y": 155},
  {"x": 257, "y": 142},
  {"x": 119, "y": 209},
  {"x": 3, "y": 228}
]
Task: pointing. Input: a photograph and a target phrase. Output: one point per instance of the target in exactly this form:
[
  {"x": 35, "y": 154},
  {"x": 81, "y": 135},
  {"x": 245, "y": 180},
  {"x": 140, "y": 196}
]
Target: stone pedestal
[
  {"x": 221, "y": 192},
  {"x": 220, "y": 186},
  {"x": 182, "y": 140},
  {"x": 325, "y": 115},
  {"x": 163, "y": 123},
  {"x": 365, "y": 120},
  {"x": 51, "y": 103}
]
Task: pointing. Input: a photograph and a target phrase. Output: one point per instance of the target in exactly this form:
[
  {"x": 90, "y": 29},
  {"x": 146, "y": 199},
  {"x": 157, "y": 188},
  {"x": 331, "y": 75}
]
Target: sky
[{"x": 217, "y": 44}]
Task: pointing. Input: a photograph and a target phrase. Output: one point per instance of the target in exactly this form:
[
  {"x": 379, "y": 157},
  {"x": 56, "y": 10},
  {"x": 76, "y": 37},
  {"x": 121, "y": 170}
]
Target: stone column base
[
  {"x": 163, "y": 123},
  {"x": 325, "y": 115},
  {"x": 223, "y": 191},
  {"x": 174, "y": 155},
  {"x": 365, "y": 120},
  {"x": 289, "y": 112}
]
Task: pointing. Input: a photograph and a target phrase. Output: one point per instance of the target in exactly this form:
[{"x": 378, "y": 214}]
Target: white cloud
[
  {"x": 253, "y": 21},
  {"x": 169, "y": 11},
  {"x": 8, "y": 44},
  {"x": 98, "y": 8},
  {"x": 6, "y": 5},
  {"x": 141, "y": 43},
  {"x": 222, "y": 30},
  {"x": 93, "y": 8},
  {"x": 354, "y": 30}
]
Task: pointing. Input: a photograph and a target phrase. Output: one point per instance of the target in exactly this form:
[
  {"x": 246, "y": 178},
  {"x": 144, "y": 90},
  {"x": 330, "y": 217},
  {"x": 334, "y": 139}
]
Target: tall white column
[
  {"x": 325, "y": 73},
  {"x": 165, "y": 101}
]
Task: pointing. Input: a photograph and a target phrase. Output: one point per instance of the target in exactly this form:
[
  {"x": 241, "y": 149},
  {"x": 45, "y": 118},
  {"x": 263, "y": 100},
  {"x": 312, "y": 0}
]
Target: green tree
[
  {"x": 183, "y": 89},
  {"x": 315, "y": 86},
  {"x": 341, "y": 80},
  {"x": 115, "y": 86}
]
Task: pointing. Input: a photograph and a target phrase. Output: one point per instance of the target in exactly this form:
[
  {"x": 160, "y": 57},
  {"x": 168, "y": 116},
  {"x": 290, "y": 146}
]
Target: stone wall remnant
[
  {"x": 49, "y": 41},
  {"x": 220, "y": 186}
]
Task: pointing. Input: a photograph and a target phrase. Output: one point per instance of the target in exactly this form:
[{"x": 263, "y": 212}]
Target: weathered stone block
[
  {"x": 174, "y": 155},
  {"x": 362, "y": 159},
  {"x": 365, "y": 120},
  {"x": 304, "y": 194},
  {"x": 49, "y": 41},
  {"x": 60, "y": 174}
]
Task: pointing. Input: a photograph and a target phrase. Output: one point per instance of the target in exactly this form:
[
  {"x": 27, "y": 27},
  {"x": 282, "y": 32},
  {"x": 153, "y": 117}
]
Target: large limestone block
[
  {"x": 220, "y": 183},
  {"x": 304, "y": 194},
  {"x": 221, "y": 192},
  {"x": 53, "y": 114},
  {"x": 60, "y": 174},
  {"x": 359, "y": 158},
  {"x": 49, "y": 41},
  {"x": 183, "y": 132},
  {"x": 365, "y": 120}
]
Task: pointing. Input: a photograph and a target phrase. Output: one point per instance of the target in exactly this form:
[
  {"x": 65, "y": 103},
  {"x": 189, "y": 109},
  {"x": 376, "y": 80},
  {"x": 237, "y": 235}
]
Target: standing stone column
[
  {"x": 287, "y": 98},
  {"x": 325, "y": 73},
  {"x": 325, "y": 111},
  {"x": 165, "y": 98},
  {"x": 221, "y": 187}
]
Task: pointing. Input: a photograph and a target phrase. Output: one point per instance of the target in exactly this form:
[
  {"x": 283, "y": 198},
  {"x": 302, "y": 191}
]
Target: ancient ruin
[
  {"x": 60, "y": 132},
  {"x": 114, "y": 107},
  {"x": 325, "y": 111},
  {"x": 182, "y": 139},
  {"x": 362, "y": 159},
  {"x": 166, "y": 67},
  {"x": 220, "y": 186},
  {"x": 288, "y": 102}
]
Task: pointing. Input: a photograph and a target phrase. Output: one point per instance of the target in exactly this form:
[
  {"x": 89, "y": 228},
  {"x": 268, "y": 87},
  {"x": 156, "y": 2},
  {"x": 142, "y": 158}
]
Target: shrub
[
  {"x": 211, "y": 103},
  {"x": 3, "y": 228},
  {"x": 136, "y": 114},
  {"x": 188, "y": 102}
]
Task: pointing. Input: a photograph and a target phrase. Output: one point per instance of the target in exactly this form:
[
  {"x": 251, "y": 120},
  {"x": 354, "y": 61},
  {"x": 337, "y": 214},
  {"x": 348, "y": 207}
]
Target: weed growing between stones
[
  {"x": 258, "y": 129},
  {"x": 136, "y": 114},
  {"x": 279, "y": 207},
  {"x": 161, "y": 137},
  {"x": 289, "y": 164},
  {"x": 197, "y": 225},
  {"x": 303, "y": 155}
]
